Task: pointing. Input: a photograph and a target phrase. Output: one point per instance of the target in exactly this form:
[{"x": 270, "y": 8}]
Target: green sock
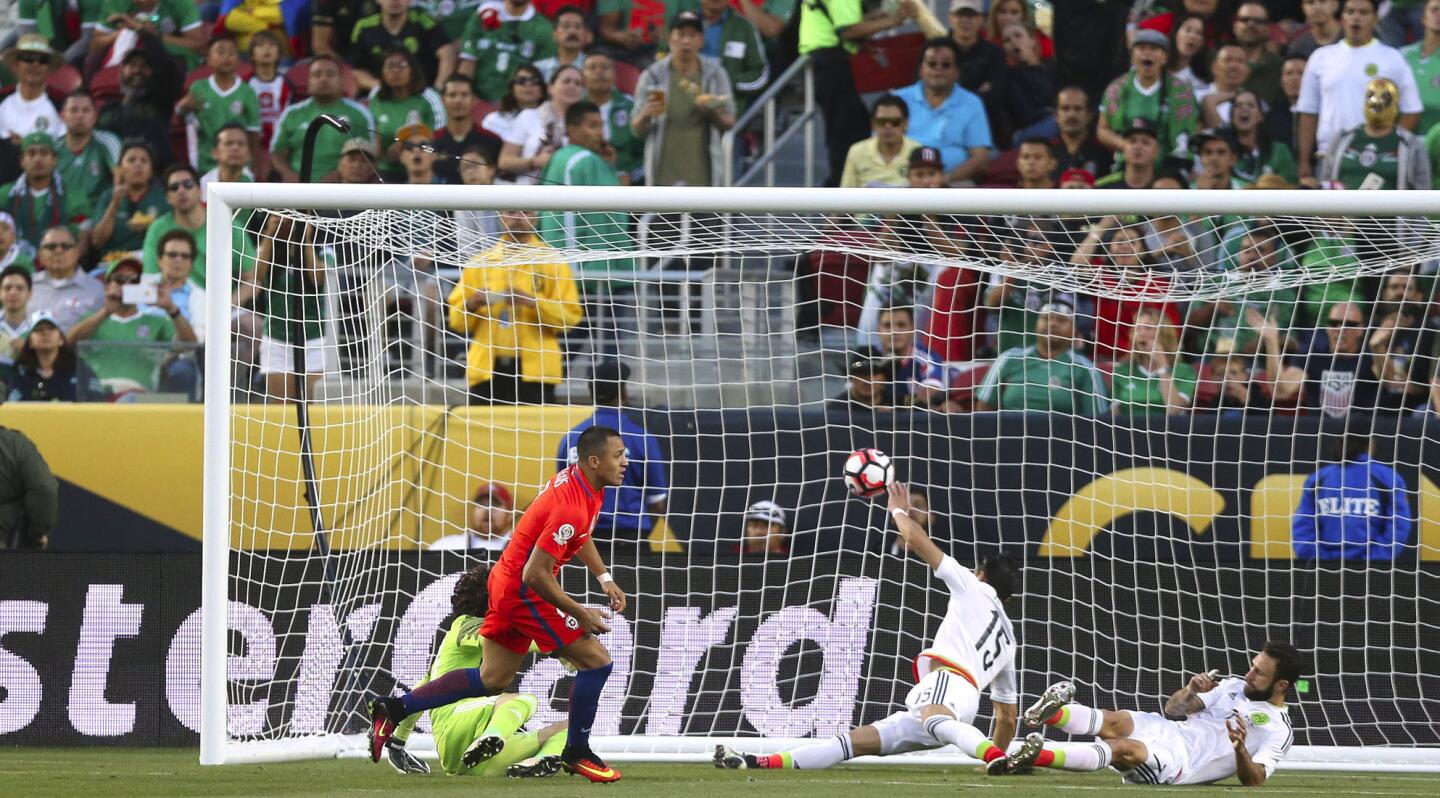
[
  {"x": 787, "y": 761},
  {"x": 518, "y": 747},
  {"x": 556, "y": 744},
  {"x": 982, "y": 751},
  {"x": 509, "y": 717}
]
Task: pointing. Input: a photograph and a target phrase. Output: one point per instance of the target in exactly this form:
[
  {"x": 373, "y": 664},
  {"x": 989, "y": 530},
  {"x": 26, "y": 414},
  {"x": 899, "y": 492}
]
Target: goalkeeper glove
[{"x": 403, "y": 761}]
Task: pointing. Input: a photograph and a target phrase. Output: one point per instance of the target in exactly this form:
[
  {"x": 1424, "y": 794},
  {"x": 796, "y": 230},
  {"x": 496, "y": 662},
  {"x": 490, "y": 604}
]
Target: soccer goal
[{"x": 1123, "y": 391}]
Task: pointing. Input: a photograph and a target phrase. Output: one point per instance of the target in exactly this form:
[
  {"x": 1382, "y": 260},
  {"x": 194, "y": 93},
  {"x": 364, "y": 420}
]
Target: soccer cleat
[
  {"x": 587, "y": 764},
  {"x": 1051, "y": 701},
  {"x": 999, "y": 766},
  {"x": 482, "y": 750},
  {"x": 536, "y": 767},
  {"x": 403, "y": 761},
  {"x": 727, "y": 758},
  {"x": 1025, "y": 755},
  {"x": 381, "y": 727}
]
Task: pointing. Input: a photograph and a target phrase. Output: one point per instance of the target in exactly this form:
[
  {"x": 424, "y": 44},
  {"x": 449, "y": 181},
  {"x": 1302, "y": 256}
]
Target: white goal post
[{"x": 395, "y": 452}]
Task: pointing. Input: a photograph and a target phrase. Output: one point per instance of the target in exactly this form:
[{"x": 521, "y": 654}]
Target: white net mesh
[{"x": 1166, "y": 385}]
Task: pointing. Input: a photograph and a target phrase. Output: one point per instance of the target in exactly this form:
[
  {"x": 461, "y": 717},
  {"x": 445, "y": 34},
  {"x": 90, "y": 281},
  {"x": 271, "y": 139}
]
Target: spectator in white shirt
[
  {"x": 29, "y": 109},
  {"x": 1332, "y": 92},
  {"x": 492, "y": 514}
]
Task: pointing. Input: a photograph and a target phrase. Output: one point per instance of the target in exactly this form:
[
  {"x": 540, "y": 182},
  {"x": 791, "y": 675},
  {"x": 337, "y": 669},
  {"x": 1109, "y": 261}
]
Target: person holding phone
[{"x": 126, "y": 319}]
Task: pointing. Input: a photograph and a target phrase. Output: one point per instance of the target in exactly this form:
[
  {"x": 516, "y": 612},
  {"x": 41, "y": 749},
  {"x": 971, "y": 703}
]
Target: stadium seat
[
  {"x": 626, "y": 76},
  {"x": 482, "y": 110},
  {"x": 65, "y": 80},
  {"x": 839, "y": 281},
  {"x": 105, "y": 85},
  {"x": 887, "y": 62},
  {"x": 966, "y": 380}
]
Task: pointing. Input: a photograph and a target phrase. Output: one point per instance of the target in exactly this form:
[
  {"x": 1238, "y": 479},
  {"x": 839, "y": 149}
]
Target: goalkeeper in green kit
[{"x": 475, "y": 729}]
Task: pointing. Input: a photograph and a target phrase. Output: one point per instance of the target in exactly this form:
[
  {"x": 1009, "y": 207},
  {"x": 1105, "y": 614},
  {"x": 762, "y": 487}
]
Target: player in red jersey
[{"x": 527, "y": 606}]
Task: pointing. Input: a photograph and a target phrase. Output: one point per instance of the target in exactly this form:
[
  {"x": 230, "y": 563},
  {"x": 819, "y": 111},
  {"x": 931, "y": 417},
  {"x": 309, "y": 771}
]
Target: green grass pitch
[{"x": 160, "y": 772}]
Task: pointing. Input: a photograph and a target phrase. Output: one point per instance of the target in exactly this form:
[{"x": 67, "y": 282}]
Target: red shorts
[{"x": 517, "y": 617}]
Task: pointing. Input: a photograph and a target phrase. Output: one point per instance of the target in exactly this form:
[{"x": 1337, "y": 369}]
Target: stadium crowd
[{"x": 117, "y": 114}]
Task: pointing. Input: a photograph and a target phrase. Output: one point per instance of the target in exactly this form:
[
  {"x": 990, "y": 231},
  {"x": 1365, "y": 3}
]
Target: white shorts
[
  {"x": 1165, "y": 743},
  {"x": 904, "y": 730},
  {"x": 276, "y": 356}
]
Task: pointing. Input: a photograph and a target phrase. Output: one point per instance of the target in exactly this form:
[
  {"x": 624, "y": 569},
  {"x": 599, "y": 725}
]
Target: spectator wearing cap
[
  {"x": 571, "y": 38},
  {"x": 945, "y": 115},
  {"x": 36, "y": 200},
  {"x": 829, "y": 34},
  {"x": 1023, "y": 96},
  {"x": 30, "y": 108},
  {"x": 1077, "y": 178},
  {"x": 1230, "y": 70},
  {"x": 460, "y": 131},
  {"x": 61, "y": 289},
  {"x": 1148, "y": 92},
  {"x": 326, "y": 97},
  {"x": 688, "y": 104},
  {"x": 632, "y": 511},
  {"x": 14, "y": 252},
  {"x": 400, "y": 26},
  {"x": 586, "y": 161},
  {"x": 487, "y": 525},
  {"x": 1216, "y": 152},
  {"x": 1141, "y": 148},
  {"x": 500, "y": 38},
  {"x": 404, "y": 108},
  {"x": 1332, "y": 90},
  {"x": 514, "y": 316},
  {"x": 219, "y": 100},
  {"x": 981, "y": 61},
  {"x": 766, "y": 532},
  {"x": 16, "y": 285},
  {"x": 731, "y": 39},
  {"x": 616, "y": 108},
  {"x": 882, "y": 159},
  {"x": 149, "y": 86},
  {"x": 1378, "y": 154},
  {"x": 130, "y": 367},
  {"x": 867, "y": 384},
  {"x": 47, "y": 368},
  {"x": 1076, "y": 146},
  {"x": 231, "y": 155},
  {"x": 177, "y": 25},
  {"x": 1048, "y": 375},
  {"x": 357, "y": 163},
  {"x": 87, "y": 156}
]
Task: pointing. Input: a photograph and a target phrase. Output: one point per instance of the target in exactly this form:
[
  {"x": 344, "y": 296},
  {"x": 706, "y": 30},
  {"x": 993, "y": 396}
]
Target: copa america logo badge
[
  {"x": 571, "y": 622},
  {"x": 564, "y": 533}
]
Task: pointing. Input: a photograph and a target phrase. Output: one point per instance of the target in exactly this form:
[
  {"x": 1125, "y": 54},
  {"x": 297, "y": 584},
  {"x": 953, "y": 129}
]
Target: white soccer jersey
[
  {"x": 976, "y": 635},
  {"x": 1211, "y": 757}
]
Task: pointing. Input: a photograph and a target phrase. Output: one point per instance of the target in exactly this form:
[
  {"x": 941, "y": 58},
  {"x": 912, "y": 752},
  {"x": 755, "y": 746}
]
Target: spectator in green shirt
[
  {"x": 1259, "y": 153},
  {"x": 219, "y": 100},
  {"x": 585, "y": 161},
  {"x": 400, "y": 26},
  {"x": 1378, "y": 154},
  {"x": 1047, "y": 376},
  {"x": 87, "y": 155},
  {"x": 403, "y": 104},
  {"x": 131, "y": 203},
  {"x": 617, "y": 37},
  {"x": 1230, "y": 326},
  {"x": 1423, "y": 62},
  {"x": 616, "y": 108},
  {"x": 1148, "y": 92},
  {"x": 572, "y": 37},
  {"x": 326, "y": 97},
  {"x": 500, "y": 39},
  {"x": 129, "y": 366},
  {"x": 176, "y": 23},
  {"x": 1151, "y": 377},
  {"x": 49, "y": 19},
  {"x": 37, "y": 200}
]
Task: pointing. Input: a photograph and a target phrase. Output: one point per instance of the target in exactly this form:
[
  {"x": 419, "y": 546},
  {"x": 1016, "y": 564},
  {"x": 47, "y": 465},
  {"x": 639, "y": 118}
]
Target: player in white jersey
[
  {"x": 974, "y": 649},
  {"x": 1236, "y": 727}
]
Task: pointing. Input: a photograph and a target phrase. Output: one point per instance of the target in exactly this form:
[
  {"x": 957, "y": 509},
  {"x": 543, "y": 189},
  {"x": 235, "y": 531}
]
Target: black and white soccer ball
[{"x": 868, "y": 472}]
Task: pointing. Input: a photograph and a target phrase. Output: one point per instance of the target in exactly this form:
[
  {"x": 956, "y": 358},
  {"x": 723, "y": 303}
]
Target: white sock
[
  {"x": 822, "y": 753},
  {"x": 1077, "y": 719},
  {"x": 967, "y": 738},
  {"x": 1084, "y": 757}
]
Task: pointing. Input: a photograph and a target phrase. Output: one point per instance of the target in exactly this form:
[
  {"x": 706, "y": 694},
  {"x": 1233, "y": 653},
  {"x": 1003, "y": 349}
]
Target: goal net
[{"x": 1124, "y": 392}]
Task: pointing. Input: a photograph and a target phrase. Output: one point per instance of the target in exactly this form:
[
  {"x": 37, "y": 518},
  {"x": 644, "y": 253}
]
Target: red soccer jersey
[{"x": 559, "y": 521}]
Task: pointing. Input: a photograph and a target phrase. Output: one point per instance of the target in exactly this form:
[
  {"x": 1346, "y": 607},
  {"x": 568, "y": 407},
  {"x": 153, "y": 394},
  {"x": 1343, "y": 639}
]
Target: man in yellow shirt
[
  {"x": 514, "y": 315},
  {"x": 881, "y": 160}
]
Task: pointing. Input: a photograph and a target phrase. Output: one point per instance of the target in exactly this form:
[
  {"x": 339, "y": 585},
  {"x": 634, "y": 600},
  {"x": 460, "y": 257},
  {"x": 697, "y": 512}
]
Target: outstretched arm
[{"x": 913, "y": 535}]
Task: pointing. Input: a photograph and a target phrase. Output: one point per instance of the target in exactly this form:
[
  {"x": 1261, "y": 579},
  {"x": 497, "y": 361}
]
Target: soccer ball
[{"x": 868, "y": 472}]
